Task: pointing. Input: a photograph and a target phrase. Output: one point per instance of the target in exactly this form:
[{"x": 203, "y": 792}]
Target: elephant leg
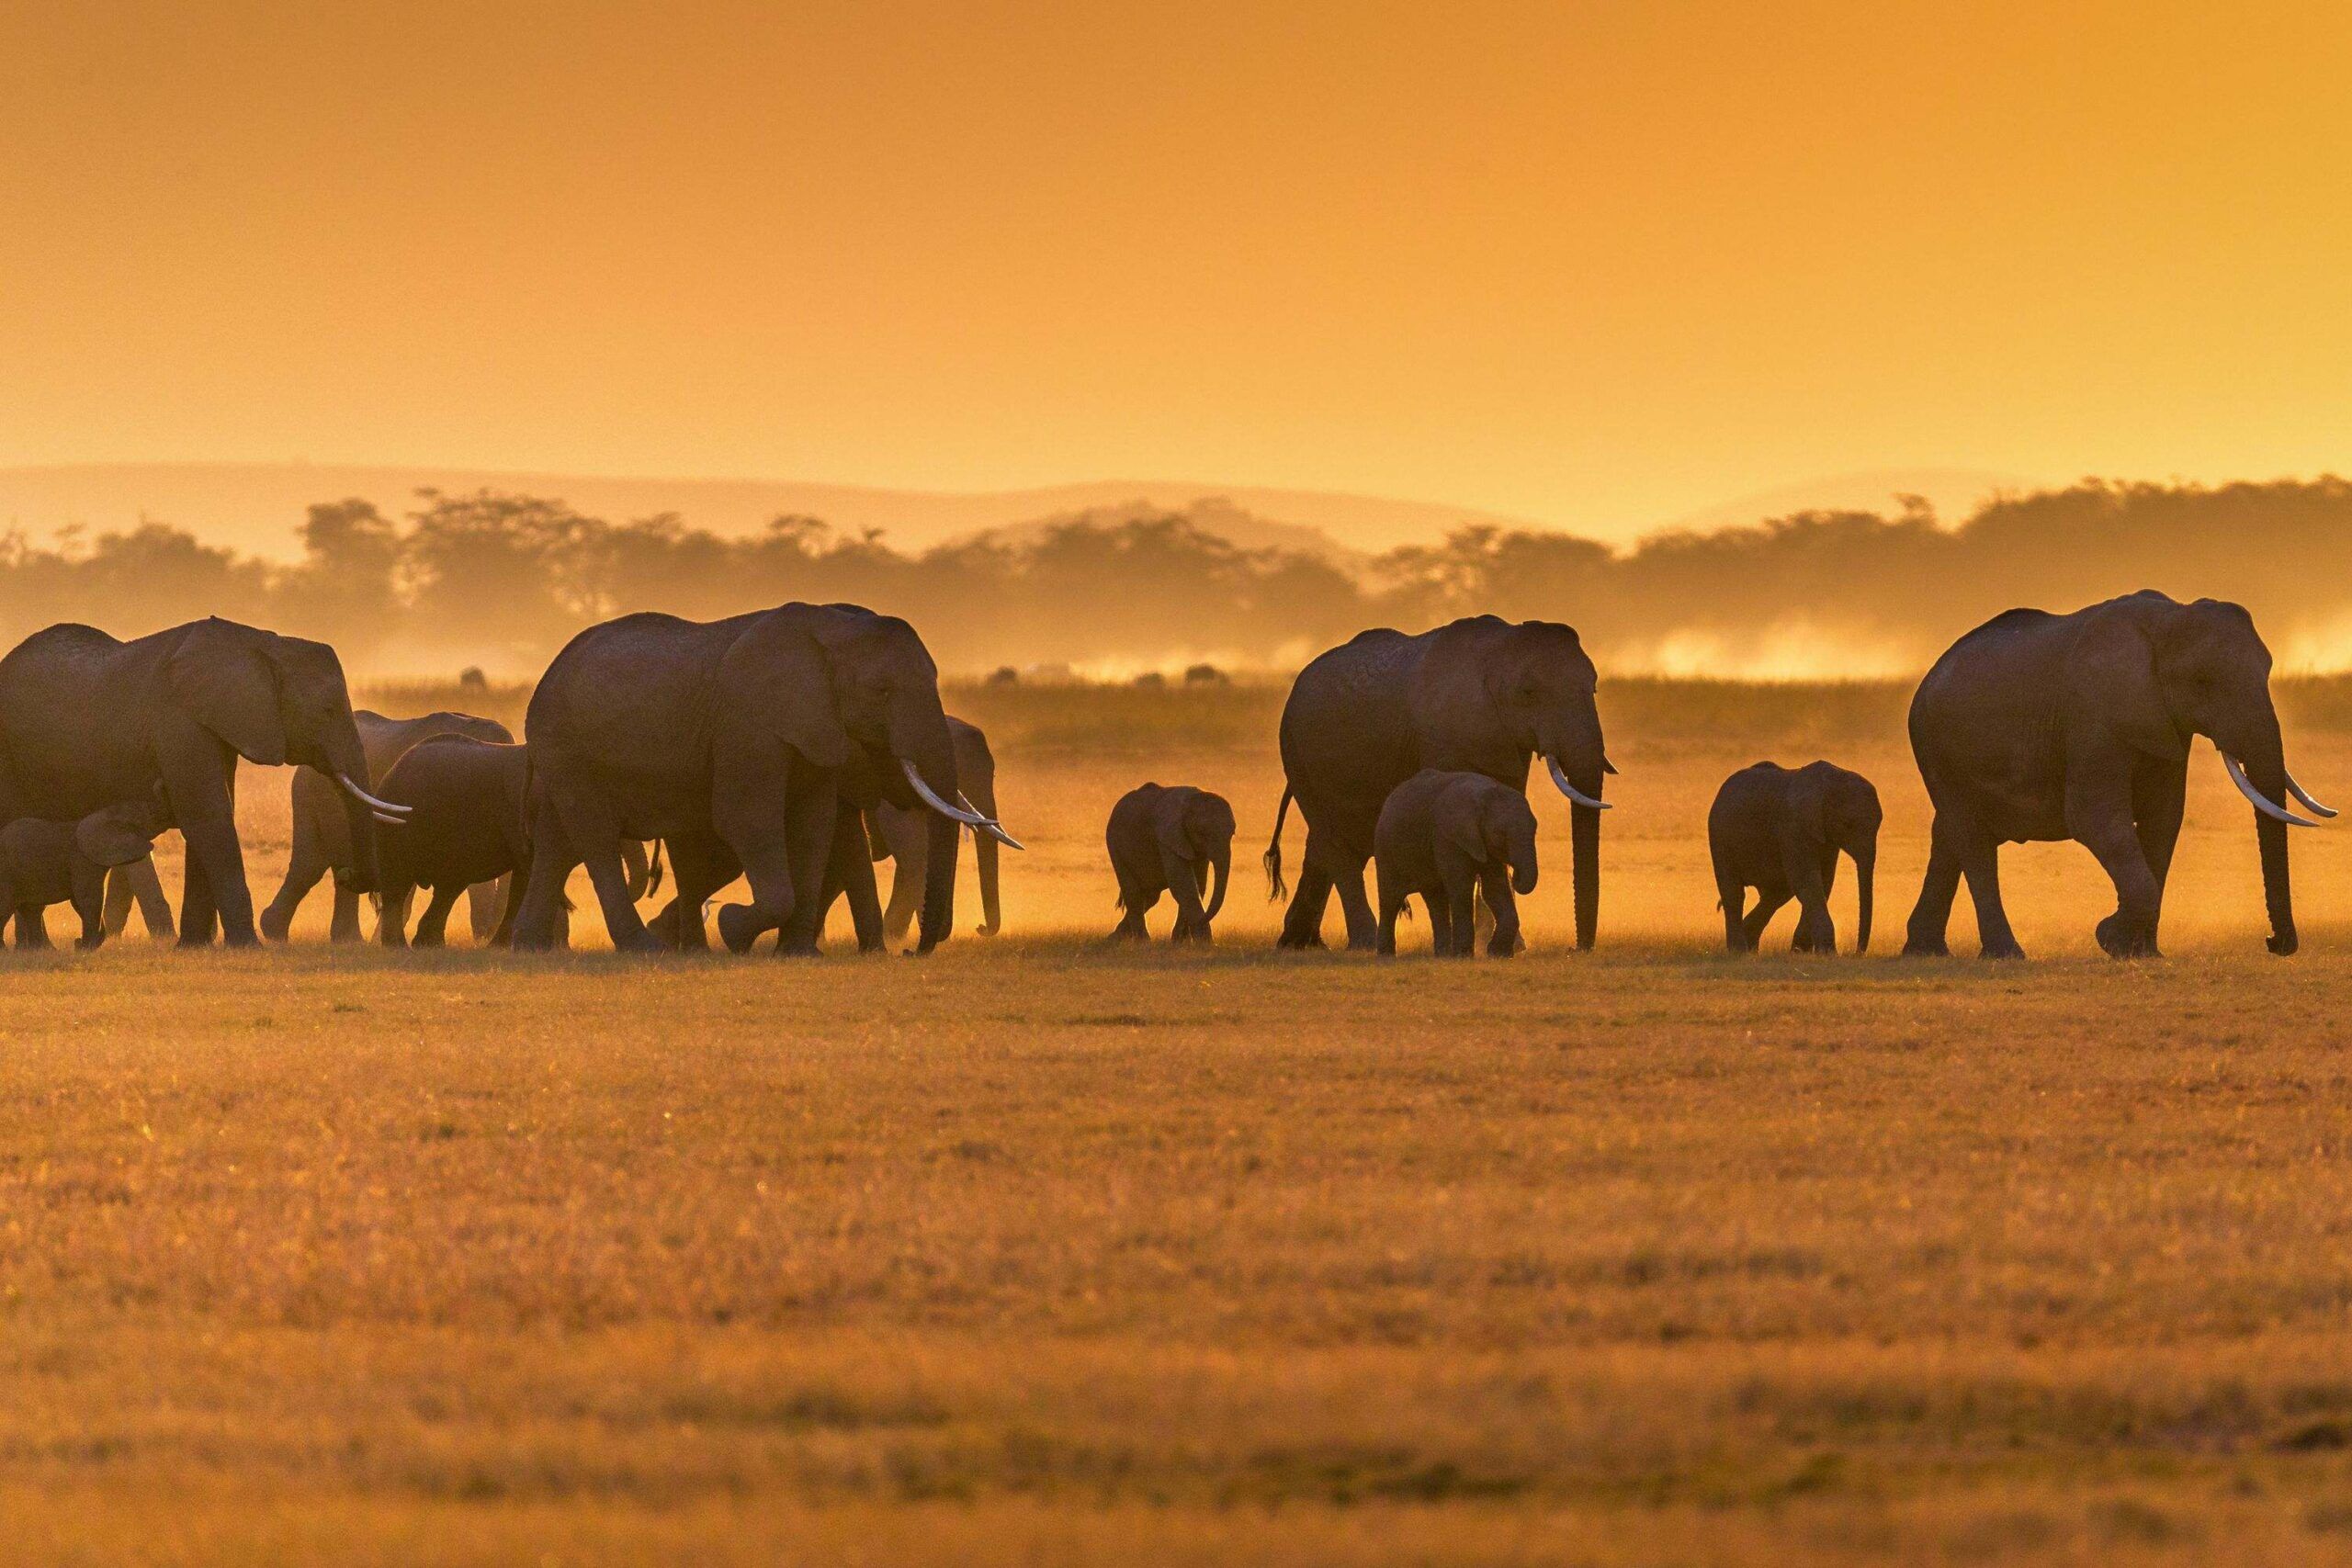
[
  {"x": 1392, "y": 902},
  {"x": 1303, "y": 920},
  {"x": 1817, "y": 931},
  {"x": 147, "y": 887},
  {"x": 1504, "y": 904},
  {"x": 486, "y": 907},
  {"x": 1441, "y": 908},
  {"x": 1731, "y": 897},
  {"x": 1137, "y": 901},
  {"x": 784, "y": 844},
  {"x": 1462, "y": 898},
  {"x": 433, "y": 930},
  {"x": 391, "y": 915},
  {"x": 1364, "y": 930},
  {"x": 32, "y": 927},
  {"x": 2158, "y": 795},
  {"x": 200, "y": 916},
  {"x": 1932, "y": 916},
  {"x": 344, "y": 924},
  {"x": 700, "y": 864},
  {"x": 854, "y": 868},
  {"x": 1980, "y": 863},
  {"x": 305, "y": 863},
  {"x": 552, "y": 858},
  {"x": 904, "y": 838},
  {"x": 1769, "y": 902},
  {"x": 595, "y": 837},
  {"x": 2108, "y": 831}
]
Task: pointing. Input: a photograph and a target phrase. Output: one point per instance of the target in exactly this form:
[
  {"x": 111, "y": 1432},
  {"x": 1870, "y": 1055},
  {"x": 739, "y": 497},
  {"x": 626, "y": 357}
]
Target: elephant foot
[
  {"x": 2282, "y": 945},
  {"x": 986, "y": 929},
  {"x": 2119, "y": 938},
  {"x": 1292, "y": 941},
  {"x": 2002, "y": 951},
  {"x": 738, "y": 927},
  {"x": 1917, "y": 945},
  {"x": 274, "y": 926}
]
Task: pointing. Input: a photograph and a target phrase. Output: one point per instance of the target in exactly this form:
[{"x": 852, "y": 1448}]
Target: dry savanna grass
[{"x": 1038, "y": 1252}]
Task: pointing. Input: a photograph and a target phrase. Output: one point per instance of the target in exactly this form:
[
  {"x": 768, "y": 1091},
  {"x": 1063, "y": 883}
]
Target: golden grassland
[{"x": 1037, "y": 1251}]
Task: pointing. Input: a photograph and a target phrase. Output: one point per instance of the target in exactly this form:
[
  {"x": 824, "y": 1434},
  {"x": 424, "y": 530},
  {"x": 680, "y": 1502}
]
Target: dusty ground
[{"x": 1034, "y": 1252}]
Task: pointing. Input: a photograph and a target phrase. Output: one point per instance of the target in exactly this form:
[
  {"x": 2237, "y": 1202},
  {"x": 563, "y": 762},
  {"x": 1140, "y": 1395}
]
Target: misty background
[{"x": 500, "y": 580}]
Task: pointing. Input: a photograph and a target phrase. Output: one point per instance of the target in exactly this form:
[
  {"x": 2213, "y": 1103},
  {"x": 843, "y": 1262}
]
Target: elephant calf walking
[
  {"x": 44, "y": 863},
  {"x": 1445, "y": 836},
  {"x": 1780, "y": 831},
  {"x": 1168, "y": 839}
]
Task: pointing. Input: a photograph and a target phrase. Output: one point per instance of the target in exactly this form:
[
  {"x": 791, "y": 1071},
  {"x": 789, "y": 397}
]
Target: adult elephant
[
  {"x": 901, "y": 835},
  {"x": 2037, "y": 726},
  {"x": 91, "y": 721},
  {"x": 1477, "y": 696},
  {"x": 730, "y": 739},
  {"x": 322, "y": 834}
]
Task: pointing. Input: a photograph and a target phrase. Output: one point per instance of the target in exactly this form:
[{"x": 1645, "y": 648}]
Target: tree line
[{"x": 502, "y": 579}]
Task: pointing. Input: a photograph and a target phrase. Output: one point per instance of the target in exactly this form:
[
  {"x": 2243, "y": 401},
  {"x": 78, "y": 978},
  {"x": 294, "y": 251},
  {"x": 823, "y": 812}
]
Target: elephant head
[
  {"x": 275, "y": 700},
  {"x": 2162, "y": 672},
  {"x": 1199, "y": 832},
  {"x": 1542, "y": 684},
  {"x": 883, "y": 698},
  {"x": 1496, "y": 827},
  {"x": 116, "y": 835},
  {"x": 1833, "y": 810}
]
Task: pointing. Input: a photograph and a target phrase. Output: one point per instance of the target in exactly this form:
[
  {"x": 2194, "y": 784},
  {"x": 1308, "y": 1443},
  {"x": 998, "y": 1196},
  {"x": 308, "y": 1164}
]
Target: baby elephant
[
  {"x": 1443, "y": 836},
  {"x": 1167, "y": 840},
  {"x": 467, "y": 827},
  {"x": 1780, "y": 831},
  {"x": 44, "y": 863}
]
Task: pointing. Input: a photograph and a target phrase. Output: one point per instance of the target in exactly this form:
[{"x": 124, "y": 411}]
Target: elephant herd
[{"x": 796, "y": 747}]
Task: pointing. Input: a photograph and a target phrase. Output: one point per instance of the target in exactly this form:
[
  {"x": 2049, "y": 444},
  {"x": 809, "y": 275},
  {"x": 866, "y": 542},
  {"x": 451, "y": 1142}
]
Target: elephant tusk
[
  {"x": 930, "y": 797},
  {"x": 2305, "y": 797},
  {"x": 2268, "y": 808},
  {"x": 387, "y": 820},
  {"x": 1570, "y": 790},
  {"x": 988, "y": 825},
  {"x": 381, "y": 807}
]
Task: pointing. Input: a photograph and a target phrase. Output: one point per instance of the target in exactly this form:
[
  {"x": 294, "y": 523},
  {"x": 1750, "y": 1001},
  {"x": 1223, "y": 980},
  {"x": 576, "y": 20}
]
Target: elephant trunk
[
  {"x": 1577, "y": 764},
  {"x": 919, "y": 736},
  {"x": 344, "y": 758},
  {"x": 1866, "y": 877},
  {"x": 1221, "y": 863},
  {"x": 2265, "y": 767},
  {"x": 1584, "y": 841},
  {"x": 985, "y": 851}
]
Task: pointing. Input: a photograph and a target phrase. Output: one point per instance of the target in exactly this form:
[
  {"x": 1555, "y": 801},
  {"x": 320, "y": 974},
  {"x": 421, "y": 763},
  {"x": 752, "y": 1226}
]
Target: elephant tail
[
  {"x": 1272, "y": 859},
  {"x": 653, "y": 870}
]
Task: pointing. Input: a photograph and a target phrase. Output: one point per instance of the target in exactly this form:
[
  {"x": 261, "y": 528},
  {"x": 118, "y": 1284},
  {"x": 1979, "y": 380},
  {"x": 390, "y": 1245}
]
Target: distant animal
[
  {"x": 1443, "y": 837},
  {"x": 90, "y": 721},
  {"x": 468, "y": 827},
  {"x": 2038, "y": 726},
  {"x": 1780, "y": 830},
  {"x": 322, "y": 839},
  {"x": 1478, "y": 695},
  {"x": 44, "y": 861},
  {"x": 730, "y": 740},
  {"x": 1169, "y": 838},
  {"x": 903, "y": 835}
]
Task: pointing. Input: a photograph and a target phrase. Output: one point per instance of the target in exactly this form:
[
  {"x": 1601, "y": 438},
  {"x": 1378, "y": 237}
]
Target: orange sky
[{"x": 1600, "y": 264}]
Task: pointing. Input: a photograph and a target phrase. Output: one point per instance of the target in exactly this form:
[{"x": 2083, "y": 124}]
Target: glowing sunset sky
[{"x": 1599, "y": 264}]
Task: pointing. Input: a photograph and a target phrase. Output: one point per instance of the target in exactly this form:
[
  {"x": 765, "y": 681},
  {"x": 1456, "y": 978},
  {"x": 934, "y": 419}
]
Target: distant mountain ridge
[{"x": 253, "y": 507}]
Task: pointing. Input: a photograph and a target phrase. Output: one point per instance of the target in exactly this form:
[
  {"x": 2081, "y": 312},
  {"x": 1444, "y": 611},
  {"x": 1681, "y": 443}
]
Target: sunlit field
[{"x": 1038, "y": 1251}]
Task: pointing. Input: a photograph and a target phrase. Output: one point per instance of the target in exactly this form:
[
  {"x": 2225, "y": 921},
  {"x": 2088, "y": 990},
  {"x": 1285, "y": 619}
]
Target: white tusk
[
  {"x": 969, "y": 819},
  {"x": 390, "y": 820},
  {"x": 379, "y": 808},
  {"x": 1570, "y": 790},
  {"x": 991, "y": 827},
  {"x": 2268, "y": 808},
  {"x": 2299, "y": 793}
]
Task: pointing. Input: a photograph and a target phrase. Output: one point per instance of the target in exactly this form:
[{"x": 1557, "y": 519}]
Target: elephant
[
  {"x": 138, "y": 882},
  {"x": 321, "y": 839},
  {"x": 730, "y": 740},
  {"x": 469, "y": 828},
  {"x": 2036, "y": 728},
  {"x": 1445, "y": 836},
  {"x": 44, "y": 863},
  {"x": 900, "y": 836},
  {"x": 1780, "y": 831},
  {"x": 1480, "y": 695},
  {"x": 1169, "y": 838},
  {"x": 91, "y": 721}
]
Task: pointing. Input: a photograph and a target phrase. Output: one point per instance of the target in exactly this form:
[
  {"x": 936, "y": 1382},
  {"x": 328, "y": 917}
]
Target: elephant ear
[
  {"x": 111, "y": 837},
  {"x": 222, "y": 677},
  {"x": 1462, "y": 822},
  {"x": 786, "y": 675},
  {"x": 1170, "y": 824},
  {"x": 2112, "y": 685}
]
